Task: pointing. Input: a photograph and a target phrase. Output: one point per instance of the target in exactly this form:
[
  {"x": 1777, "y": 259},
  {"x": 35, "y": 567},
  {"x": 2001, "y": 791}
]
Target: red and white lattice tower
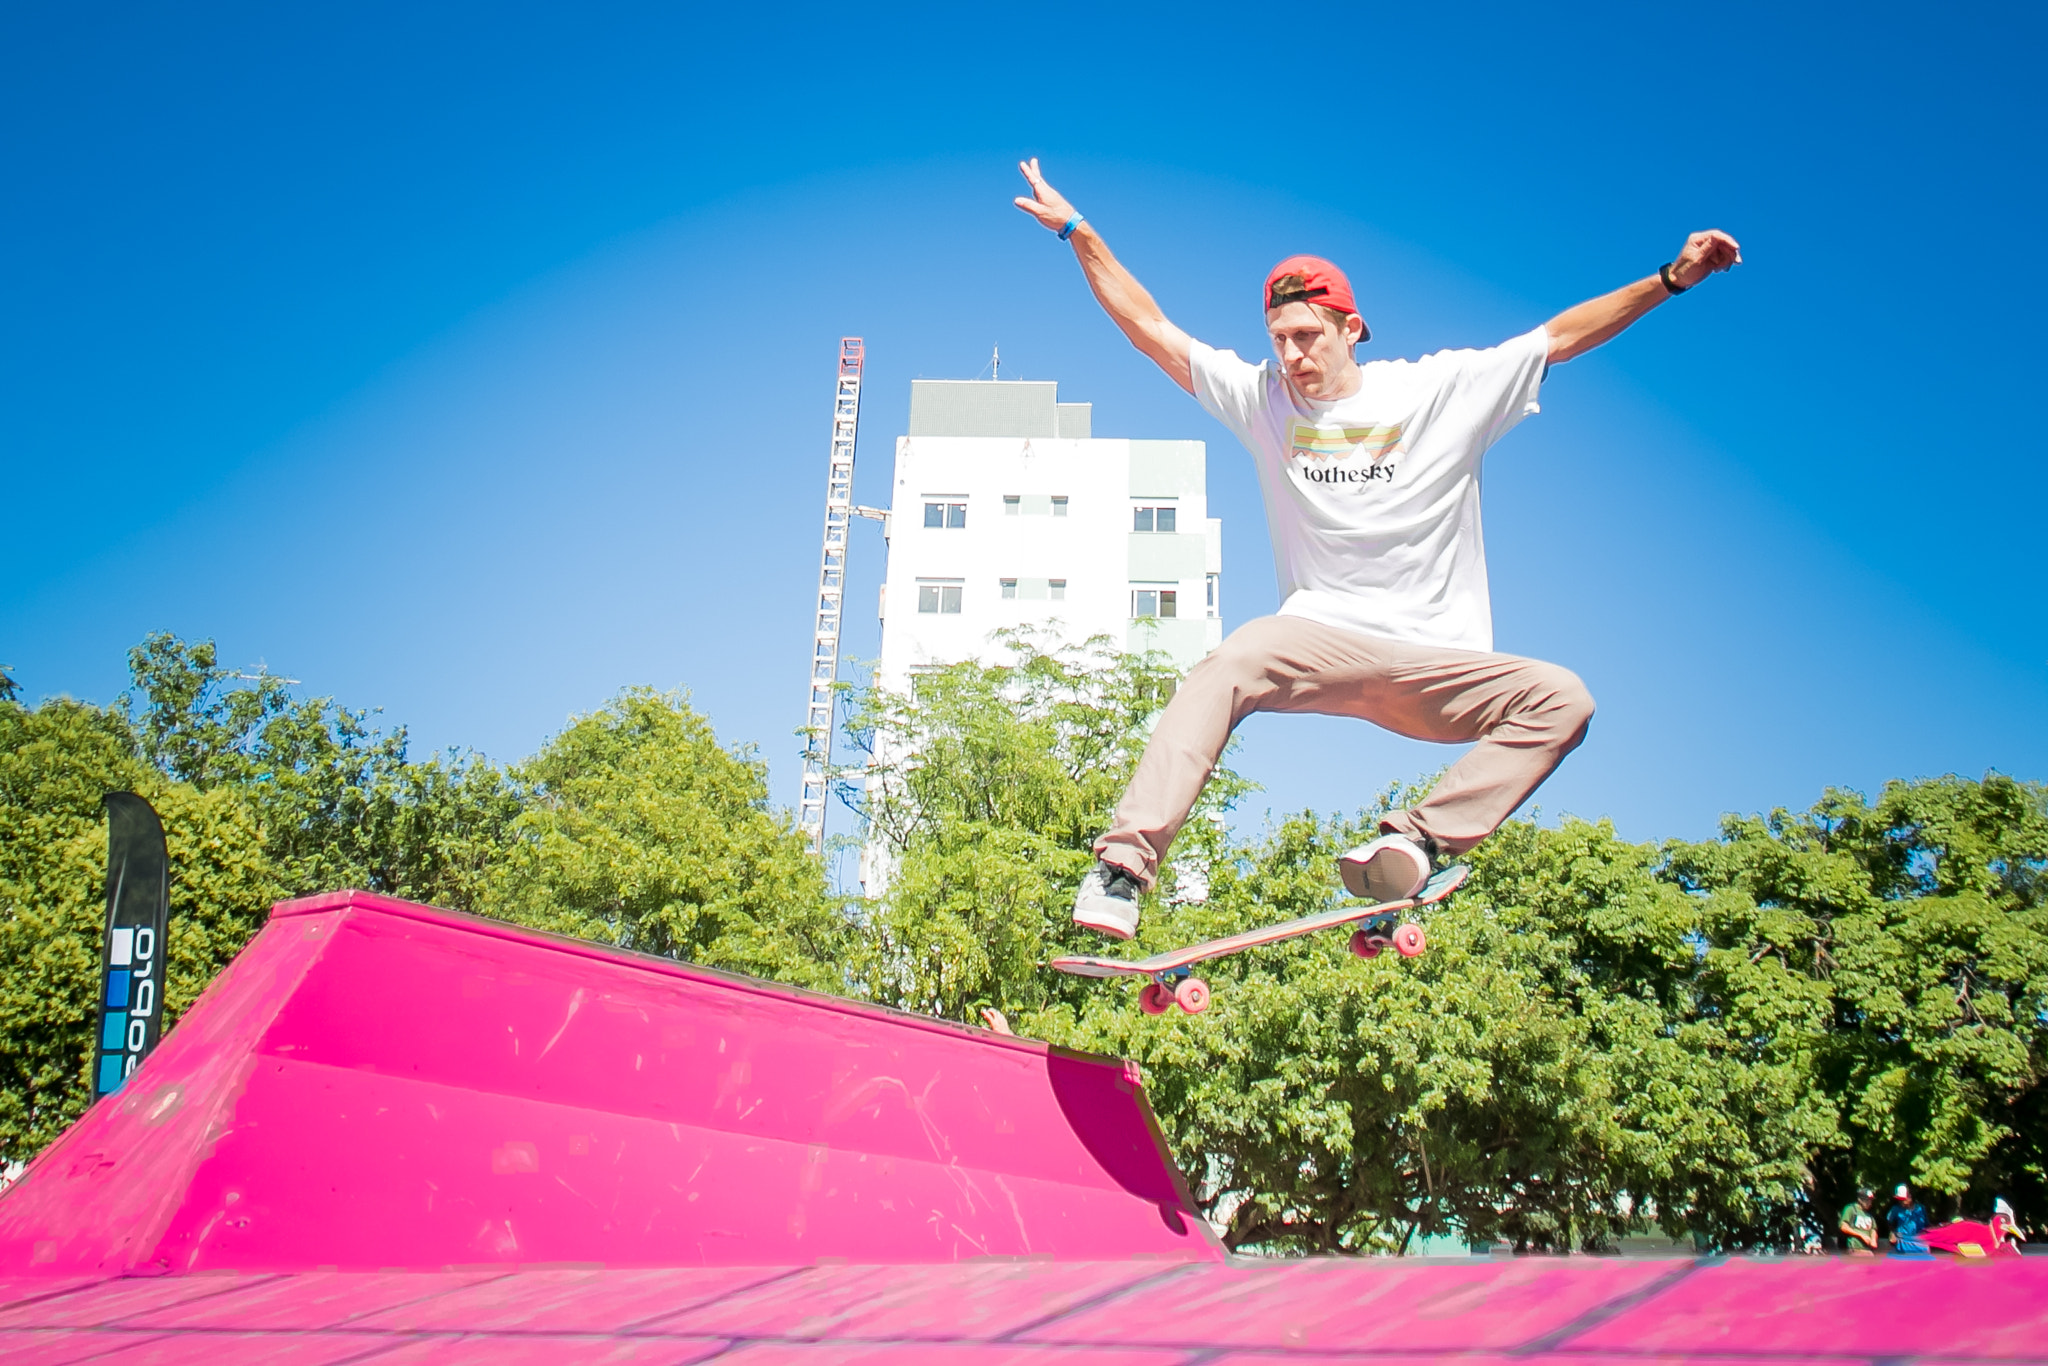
[{"x": 839, "y": 512}]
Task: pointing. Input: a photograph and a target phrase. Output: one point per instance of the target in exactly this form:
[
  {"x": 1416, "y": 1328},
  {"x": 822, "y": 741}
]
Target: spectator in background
[
  {"x": 1859, "y": 1225},
  {"x": 1908, "y": 1220}
]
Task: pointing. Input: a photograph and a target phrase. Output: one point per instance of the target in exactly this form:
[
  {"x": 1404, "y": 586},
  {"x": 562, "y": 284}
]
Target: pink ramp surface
[
  {"x": 1578, "y": 1311},
  {"x": 376, "y": 1085}
]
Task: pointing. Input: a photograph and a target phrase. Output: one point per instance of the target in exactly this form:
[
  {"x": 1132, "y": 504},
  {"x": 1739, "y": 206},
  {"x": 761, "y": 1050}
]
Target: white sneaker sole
[
  {"x": 1104, "y": 922},
  {"x": 1391, "y": 868}
]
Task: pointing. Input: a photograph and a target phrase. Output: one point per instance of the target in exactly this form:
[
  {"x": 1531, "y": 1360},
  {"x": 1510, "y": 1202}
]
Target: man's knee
[
  {"x": 1244, "y": 657},
  {"x": 1565, "y": 696},
  {"x": 1237, "y": 676}
]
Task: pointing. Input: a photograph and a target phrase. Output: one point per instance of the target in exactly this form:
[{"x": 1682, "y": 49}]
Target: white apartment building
[{"x": 1005, "y": 510}]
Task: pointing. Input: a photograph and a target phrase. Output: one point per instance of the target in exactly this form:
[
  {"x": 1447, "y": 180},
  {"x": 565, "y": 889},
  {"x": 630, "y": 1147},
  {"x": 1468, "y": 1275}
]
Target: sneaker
[
  {"x": 1108, "y": 901},
  {"x": 1391, "y": 868}
]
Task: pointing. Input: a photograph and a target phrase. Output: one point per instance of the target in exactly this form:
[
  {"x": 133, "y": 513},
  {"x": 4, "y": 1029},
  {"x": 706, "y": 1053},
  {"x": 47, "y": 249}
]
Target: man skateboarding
[{"x": 1371, "y": 481}]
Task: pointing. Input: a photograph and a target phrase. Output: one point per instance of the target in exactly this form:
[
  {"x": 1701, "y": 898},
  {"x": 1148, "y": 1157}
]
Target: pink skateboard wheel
[
  {"x": 1154, "y": 999},
  {"x": 1365, "y": 944},
  {"x": 1192, "y": 995},
  {"x": 1409, "y": 940}
]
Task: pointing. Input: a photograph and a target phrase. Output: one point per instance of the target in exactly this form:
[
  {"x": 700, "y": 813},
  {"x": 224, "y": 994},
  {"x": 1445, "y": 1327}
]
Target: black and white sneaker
[
  {"x": 1391, "y": 868},
  {"x": 1108, "y": 901}
]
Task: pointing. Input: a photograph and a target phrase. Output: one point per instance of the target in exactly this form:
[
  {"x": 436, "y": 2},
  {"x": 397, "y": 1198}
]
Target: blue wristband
[{"x": 1072, "y": 223}]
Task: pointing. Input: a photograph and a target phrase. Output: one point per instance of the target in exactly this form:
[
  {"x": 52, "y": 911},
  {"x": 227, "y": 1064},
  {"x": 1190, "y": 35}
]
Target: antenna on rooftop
[
  {"x": 995, "y": 362},
  {"x": 824, "y": 667}
]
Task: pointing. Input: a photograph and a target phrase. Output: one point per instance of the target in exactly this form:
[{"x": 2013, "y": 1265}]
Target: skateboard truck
[
  {"x": 1381, "y": 931},
  {"x": 1174, "y": 987}
]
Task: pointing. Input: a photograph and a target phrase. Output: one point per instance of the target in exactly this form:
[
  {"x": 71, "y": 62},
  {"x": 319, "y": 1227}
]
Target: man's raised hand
[
  {"x": 1121, "y": 296},
  {"x": 1595, "y": 322},
  {"x": 1044, "y": 203},
  {"x": 1705, "y": 253}
]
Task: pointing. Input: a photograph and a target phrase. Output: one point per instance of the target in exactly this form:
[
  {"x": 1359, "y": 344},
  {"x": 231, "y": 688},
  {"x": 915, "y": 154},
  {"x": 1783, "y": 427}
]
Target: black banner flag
[{"x": 138, "y": 914}]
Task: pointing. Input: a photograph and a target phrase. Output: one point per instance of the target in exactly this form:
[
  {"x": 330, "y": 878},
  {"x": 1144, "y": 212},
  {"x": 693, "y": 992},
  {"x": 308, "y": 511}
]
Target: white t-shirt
[{"x": 1373, "y": 500}]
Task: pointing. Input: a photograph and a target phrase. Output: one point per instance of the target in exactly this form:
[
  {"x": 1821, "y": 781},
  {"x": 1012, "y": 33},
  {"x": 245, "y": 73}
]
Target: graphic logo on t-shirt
[
  {"x": 1316, "y": 446},
  {"x": 1307, "y": 441}
]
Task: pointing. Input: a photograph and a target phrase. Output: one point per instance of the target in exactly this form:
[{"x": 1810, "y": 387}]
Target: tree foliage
[
  {"x": 640, "y": 830},
  {"x": 1923, "y": 912},
  {"x": 1565, "y": 1060},
  {"x": 56, "y": 761},
  {"x": 985, "y": 788},
  {"x": 339, "y": 802}
]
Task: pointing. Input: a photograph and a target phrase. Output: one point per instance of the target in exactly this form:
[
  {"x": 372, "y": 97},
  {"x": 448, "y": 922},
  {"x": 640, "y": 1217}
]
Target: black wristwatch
[{"x": 1664, "y": 274}]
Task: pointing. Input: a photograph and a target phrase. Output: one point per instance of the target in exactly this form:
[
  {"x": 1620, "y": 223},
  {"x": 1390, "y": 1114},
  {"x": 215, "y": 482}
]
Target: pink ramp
[{"x": 375, "y": 1084}]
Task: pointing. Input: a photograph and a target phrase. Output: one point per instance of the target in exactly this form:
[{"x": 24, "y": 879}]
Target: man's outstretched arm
[
  {"x": 1578, "y": 330},
  {"x": 1116, "y": 289}
]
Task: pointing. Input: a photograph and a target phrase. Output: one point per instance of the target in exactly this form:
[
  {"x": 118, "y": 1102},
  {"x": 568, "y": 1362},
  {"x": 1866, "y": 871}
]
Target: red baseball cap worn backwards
[{"x": 1322, "y": 283}]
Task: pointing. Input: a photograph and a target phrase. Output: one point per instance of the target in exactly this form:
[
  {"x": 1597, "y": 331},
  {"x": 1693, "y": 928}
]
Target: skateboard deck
[{"x": 1172, "y": 984}]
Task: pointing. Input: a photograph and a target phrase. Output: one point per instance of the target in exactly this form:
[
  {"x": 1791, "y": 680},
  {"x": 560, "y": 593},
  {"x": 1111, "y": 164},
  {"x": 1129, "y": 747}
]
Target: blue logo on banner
[
  {"x": 117, "y": 989},
  {"x": 114, "y": 1031}
]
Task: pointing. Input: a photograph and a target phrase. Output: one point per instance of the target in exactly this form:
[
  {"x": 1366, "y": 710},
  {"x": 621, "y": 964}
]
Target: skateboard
[{"x": 1379, "y": 926}]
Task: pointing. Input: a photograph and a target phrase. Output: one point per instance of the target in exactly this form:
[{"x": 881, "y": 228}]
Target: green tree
[
  {"x": 639, "y": 829},
  {"x": 1565, "y": 1063},
  {"x": 339, "y": 803},
  {"x": 56, "y": 761},
  {"x": 1706, "y": 1038},
  {"x": 986, "y": 787},
  {"x": 1923, "y": 912}
]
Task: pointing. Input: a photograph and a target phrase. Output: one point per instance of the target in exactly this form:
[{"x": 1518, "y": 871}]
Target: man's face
[
  {"x": 1314, "y": 351},
  {"x": 1864, "y": 1200}
]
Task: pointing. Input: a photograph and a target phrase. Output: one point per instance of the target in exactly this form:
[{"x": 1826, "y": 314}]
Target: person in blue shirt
[{"x": 1908, "y": 1220}]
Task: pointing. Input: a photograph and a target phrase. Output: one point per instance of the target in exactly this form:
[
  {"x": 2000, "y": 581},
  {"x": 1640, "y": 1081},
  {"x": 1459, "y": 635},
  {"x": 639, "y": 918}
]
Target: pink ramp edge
[{"x": 376, "y": 1084}]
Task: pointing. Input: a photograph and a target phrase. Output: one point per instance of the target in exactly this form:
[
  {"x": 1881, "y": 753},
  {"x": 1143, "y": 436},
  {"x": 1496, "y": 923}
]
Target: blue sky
[{"x": 474, "y": 362}]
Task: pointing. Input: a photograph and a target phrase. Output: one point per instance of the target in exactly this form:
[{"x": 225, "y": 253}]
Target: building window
[
  {"x": 1155, "y": 602},
  {"x": 1213, "y": 593},
  {"x": 1058, "y": 589},
  {"x": 945, "y": 514},
  {"x": 1012, "y": 504},
  {"x": 1009, "y": 588},
  {"x": 1059, "y": 505},
  {"x": 1152, "y": 519},
  {"x": 938, "y": 597}
]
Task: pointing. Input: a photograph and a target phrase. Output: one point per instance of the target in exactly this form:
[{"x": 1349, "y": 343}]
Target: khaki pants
[{"x": 1525, "y": 714}]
